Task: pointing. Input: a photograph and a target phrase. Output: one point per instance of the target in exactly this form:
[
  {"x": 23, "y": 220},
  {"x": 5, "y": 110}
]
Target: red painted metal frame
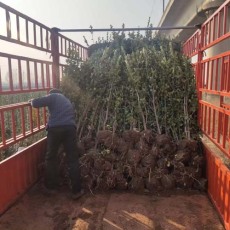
[
  {"x": 30, "y": 126},
  {"x": 19, "y": 172},
  {"x": 190, "y": 47},
  {"x": 215, "y": 124},
  {"x": 33, "y": 75},
  {"x": 216, "y": 28},
  {"x": 215, "y": 74},
  {"x": 213, "y": 81},
  {"x": 34, "y": 30},
  {"x": 218, "y": 176},
  {"x": 41, "y": 82}
]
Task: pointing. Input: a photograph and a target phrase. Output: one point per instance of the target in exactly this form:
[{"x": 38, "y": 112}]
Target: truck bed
[{"x": 190, "y": 210}]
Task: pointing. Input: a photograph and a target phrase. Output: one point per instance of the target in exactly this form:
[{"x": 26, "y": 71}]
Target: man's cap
[{"x": 55, "y": 91}]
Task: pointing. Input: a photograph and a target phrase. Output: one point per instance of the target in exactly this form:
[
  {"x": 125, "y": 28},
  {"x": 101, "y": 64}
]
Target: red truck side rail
[
  {"x": 209, "y": 51},
  {"x": 19, "y": 172},
  {"x": 22, "y": 73}
]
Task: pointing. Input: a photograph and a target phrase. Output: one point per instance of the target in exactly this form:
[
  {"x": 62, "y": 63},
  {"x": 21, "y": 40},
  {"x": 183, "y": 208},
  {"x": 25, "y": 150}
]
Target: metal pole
[
  {"x": 131, "y": 29},
  {"x": 55, "y": 55}
]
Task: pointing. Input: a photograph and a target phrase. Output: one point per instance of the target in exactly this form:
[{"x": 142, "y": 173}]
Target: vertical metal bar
[
  {"x": 207, "y": 75},
  {"x": 3, "y": 133},
  {"x": 65, "y": 51},
  {"x": 213, "y": 123},
  {"x": 214, "y": 28},
  {"x": 55, "y": 55},
  {"x": 35, "y": 34},
  {"x": 206, "y": 34},
  {"x": 212, "y": 75},
  {"x": 31, "y": 119},
  {"x": 75, "y": 48},
  {"x": 220, "y": 118},
  {"x": 225, "y": 126},
  {"x": 10, "y": 75},
  {"x": 205, "y": 119},
  {"x": 208, "y": 31},
  {"x": 41, "y": 36},
  {"x": 22, "y": 113},
  {"x": 47, "y": 40},
  {"x": 20, "y": 74},
  {"x": 38, "y": 118},
  {"x": 188, "y": 47},
  {"x": 42, "y": 75},
  {"x": 27, "y": 32},
  {"x": 61, "y": 45},
  {"x": 70, "y": 48},
  {"x": 47, "y": 76},
  {"x": 201, "y": 119},
  {"x": 222, "y": 79},
  {"x": 218, "y": 28},
  {"x": 225, "y": 20},
  {"x": 13, "y": 122},
  {"x": 209, "y": 121},
  {"x": 211, "y": 30},
  {"x": 28, "y": 75},
  {"x": 216, "y": 77},
  {"x": 18, "y": 27},
  {"x": 8, "y": 24},
  {"x": 36, "y": 74}
]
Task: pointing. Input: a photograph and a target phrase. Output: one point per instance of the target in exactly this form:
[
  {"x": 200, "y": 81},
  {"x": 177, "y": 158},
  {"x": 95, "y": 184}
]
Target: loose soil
[{"x": 170, "y": 210}]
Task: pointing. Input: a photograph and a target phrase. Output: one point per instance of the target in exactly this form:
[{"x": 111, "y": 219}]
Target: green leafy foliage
[{"x": 140, "y": 82}]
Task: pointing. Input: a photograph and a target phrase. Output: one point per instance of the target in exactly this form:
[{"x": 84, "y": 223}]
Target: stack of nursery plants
[{"x": 136, "y": 105}]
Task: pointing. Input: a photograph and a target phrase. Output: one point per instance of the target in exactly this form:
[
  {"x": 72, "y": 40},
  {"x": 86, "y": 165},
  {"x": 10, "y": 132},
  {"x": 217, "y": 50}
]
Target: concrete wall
[{"x": 186, "y": 13}]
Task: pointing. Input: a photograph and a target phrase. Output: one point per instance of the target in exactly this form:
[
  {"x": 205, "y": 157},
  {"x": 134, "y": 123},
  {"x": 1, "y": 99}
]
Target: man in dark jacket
[{"x": 61, "y": 129}]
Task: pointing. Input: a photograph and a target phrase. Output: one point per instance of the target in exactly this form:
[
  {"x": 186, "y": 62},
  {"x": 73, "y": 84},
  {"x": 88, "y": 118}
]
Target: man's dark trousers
[{"x": 56, "y": 136}]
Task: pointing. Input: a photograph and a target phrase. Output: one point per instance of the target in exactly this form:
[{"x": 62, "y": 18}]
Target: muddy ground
[{"x": 112, "y": 211}]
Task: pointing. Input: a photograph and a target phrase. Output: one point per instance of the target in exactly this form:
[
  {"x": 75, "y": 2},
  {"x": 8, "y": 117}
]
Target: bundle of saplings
[{"x": 136, "y": 106}]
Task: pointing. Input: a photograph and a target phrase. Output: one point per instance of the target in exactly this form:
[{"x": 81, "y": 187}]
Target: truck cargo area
[{"x": 170, "y": 210}]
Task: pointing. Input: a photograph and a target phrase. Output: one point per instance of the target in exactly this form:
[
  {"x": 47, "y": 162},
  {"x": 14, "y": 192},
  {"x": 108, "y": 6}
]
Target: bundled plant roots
[{"x": 141, "y": 162}]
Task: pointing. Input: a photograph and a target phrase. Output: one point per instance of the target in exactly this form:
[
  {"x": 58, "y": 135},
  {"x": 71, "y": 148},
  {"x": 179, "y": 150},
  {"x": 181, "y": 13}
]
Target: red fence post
[
  {"x": 56, "y": 57},
  {"x": 199, "y": 74}
]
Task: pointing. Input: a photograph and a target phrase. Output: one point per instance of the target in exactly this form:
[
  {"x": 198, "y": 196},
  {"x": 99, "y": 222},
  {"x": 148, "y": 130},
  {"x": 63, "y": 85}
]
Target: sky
[{"x": 78, "y": 14}]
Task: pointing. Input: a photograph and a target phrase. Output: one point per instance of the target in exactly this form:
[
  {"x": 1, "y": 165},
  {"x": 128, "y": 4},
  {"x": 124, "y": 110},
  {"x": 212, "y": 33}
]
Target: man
[{"x": 61, "y": 129}]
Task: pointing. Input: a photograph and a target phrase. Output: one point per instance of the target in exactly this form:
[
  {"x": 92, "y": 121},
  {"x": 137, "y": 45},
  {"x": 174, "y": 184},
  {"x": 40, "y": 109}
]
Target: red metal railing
[
  {"x": 190, "y": 47},
  {"x": 26, "y": 75},
  {"x": 20, "y": 74},
  {"x": 32, "y": 75},
  {"x": 211, "y": 57},
  {"x": 212, "y": 61},
  {"x": 216, "y": 28}
]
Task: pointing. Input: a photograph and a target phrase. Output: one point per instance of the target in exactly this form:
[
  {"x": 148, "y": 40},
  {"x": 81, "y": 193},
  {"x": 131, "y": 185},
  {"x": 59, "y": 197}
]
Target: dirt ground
[{"x": 112, "y": 211}]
